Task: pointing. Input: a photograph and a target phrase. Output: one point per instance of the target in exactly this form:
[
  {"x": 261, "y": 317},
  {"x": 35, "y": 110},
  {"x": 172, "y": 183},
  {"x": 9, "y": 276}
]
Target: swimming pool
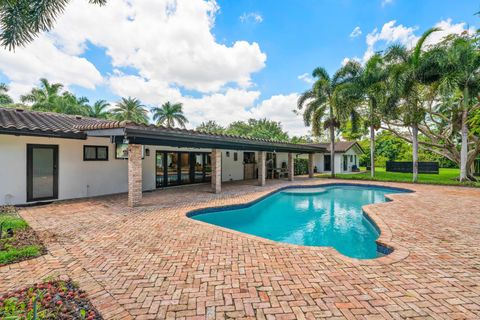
[{"x": 322, "y": 216}]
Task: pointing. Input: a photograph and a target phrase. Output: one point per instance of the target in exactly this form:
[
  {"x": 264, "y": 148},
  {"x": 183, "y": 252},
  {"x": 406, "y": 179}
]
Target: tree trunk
[
  {"x": 372, "y": 151},
  {"x": 332, "y": 150},
  {"x": 415, "y": 152},
  {"x": 464, "y": 147}
]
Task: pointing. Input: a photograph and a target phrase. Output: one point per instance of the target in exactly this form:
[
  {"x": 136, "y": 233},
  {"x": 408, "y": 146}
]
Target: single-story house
[
  {"x": 49, "y": 156},
  {"x": 347, "y": 155}
]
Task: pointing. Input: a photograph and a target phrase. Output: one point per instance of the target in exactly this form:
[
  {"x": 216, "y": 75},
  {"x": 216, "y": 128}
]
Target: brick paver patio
[{"x": 154, "y": 262}]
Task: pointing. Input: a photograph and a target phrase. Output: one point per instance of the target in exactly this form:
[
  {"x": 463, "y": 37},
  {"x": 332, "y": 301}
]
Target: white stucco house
[
  {"x": 347, "y": 155},
  {"x": 48, "y": 156}
]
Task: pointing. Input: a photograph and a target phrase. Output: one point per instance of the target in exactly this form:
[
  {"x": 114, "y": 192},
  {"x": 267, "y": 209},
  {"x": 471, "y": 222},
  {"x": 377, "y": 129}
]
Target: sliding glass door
[{"x": 176, "y": 168}]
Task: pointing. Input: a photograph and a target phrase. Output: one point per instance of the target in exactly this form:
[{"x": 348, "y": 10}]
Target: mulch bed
[{"x": 54, "y": 300}]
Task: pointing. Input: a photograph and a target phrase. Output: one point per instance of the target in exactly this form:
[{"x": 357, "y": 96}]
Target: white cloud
[
  {"x": 356, "y": 32},
  {"x": 166, "y": 41},
  {"x": 251, "y": 17},
  {"x": 386, "y": 2},
  {"x": 280, "y": 108},
  {"x": 447, "y": 27},
  {"x": 42, "y": 59},
  {"x": 390, "y": 33},
  {"x": 346, "y": 60},
  {"x": 306, "y": 77}
]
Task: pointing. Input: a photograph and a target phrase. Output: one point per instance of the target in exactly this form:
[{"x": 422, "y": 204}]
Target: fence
[{"x": 407, "y": 167}]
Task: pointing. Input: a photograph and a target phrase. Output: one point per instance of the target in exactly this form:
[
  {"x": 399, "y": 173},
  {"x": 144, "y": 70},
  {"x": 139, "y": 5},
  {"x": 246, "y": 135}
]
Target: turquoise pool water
[{"x": 332, "y": 218}]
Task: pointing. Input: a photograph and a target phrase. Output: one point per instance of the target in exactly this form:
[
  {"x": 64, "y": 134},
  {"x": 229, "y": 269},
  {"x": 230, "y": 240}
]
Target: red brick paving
[{"x": 153, "y": 262}]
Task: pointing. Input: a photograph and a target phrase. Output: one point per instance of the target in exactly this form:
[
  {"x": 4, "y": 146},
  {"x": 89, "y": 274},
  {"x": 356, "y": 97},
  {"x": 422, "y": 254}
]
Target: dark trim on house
[
  {"x": 30, "y": 148},
  {"x": 96, "y": 152},
  {"x": 39, "y": 133}
]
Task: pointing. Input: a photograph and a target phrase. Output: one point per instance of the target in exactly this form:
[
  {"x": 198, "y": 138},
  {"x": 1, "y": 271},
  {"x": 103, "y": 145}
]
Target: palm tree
[
  {"x": 68, "y": 103},
  {"x": 407, "y": 73},
  {"x": 4, "y": 97},
  {"x": 366, "y": 87},
  {"x": 44, "y": 98},
  {"x": 459, "y": 61},
  {"x": 22, "y": 21},
  {"x": 168, "y": 114},
  {"x": 130, "y": 109},
  {"x": 99, "y": 110},
  {"x": 321, "y": 111}
]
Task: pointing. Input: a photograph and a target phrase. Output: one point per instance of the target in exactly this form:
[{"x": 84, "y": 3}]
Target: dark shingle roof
[
  {"x": 18, "y": 121},
  {"x": 43, "y": 122},
  {"x": 340, "y": 146}
]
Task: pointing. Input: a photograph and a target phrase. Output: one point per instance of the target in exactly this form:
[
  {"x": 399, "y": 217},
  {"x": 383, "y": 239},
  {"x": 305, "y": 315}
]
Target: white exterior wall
[
  {"x": 76, "y": 178},
  {"x": 231, "y": 169},
  {"x": 319, "y": 161}
]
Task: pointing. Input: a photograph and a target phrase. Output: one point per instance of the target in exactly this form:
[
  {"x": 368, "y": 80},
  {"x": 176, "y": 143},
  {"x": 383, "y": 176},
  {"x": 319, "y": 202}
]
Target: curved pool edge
[{"x": 398, "y": 253}]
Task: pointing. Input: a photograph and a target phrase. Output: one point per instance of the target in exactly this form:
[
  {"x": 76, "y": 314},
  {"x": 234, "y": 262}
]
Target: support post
[
  {"x": 216, "y": 171},
  {"x": 262, "y": 167},
  {"x": 134, "y": 174},
  {"x": 310, "y": 165},
  {"x": 291, "y": 169}
]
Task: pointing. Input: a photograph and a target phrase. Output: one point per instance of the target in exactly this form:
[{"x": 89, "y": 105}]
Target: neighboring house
[
  {"x": 49, "y": 156},
  {"x": 347, "y": 154}
]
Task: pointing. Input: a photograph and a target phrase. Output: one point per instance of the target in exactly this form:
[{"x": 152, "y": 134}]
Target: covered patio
[{"x": 137, "y": 136}]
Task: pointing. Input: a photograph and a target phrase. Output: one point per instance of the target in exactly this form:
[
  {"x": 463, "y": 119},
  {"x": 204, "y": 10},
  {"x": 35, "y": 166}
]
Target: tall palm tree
[
  {"x": 45, "y": 97},
  {"x": 407, "y": 72},
  {"x": 169, "y": 114},
  {"x": 4, "y": 97},
  {"x": 321, "y": 111},
  {"x": 459, "y": 61},
  {"x": 22, "y": 21},
  {"x": 99, "y": 110},
  {"x": 130, "y": 109},
  {"x": 366, "y": 87}
]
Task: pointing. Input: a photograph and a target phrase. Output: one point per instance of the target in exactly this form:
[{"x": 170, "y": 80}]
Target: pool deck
[{"x": 152, "y": 262}]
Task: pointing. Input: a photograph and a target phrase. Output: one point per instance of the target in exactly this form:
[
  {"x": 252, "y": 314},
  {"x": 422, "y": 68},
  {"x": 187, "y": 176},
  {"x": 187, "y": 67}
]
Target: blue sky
[{"x": 225, "y": 60}]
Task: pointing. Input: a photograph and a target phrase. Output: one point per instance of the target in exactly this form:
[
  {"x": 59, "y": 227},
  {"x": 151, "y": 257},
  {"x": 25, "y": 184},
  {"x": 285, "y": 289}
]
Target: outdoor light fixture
[
  {"x": 125, "y": 140},
  {"x": 147, "y": 152}
]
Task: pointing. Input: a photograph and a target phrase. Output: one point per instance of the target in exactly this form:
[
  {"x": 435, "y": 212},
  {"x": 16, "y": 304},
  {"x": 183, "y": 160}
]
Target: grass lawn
[
  {"x": 23, "y": 245},
  {"x": 446, "y": 176}
]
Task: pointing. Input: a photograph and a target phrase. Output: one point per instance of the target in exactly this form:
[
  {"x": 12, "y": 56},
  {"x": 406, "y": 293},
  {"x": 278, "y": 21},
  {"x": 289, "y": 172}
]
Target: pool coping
[{"x": 385, "y": 238}]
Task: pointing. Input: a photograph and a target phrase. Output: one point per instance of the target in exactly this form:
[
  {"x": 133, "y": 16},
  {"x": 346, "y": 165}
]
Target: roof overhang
[
  {"x": 40, "y": 133},
  {"x": 146, "y": 136}
]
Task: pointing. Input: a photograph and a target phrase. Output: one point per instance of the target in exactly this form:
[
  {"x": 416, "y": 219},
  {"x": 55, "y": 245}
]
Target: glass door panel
[
  {"x": 42, "y": 172},
  {"x": 198, "y": 167},
  {"x": 160, "y": 169},
  {"x": 185, "y": 167},
  {"x": 172, "y": 168},
  {"x": 208, "y": 166}
]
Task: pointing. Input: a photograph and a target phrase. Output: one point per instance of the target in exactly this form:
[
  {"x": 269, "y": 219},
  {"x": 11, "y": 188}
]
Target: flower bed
[
  {"x": 17, "y": 240},
  {"x": 49, "y": 300}
]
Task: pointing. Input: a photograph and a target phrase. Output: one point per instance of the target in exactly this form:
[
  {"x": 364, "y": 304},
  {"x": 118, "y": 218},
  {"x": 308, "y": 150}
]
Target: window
[
  {"x": 235, "y": 156},
  {"x": 95, "y": 153},
  {"x": 351, "y": 158}
]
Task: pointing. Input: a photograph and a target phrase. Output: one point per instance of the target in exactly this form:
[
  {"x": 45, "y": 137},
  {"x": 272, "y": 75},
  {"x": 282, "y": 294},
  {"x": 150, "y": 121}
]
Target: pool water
[{"x": 332, "y": 217}]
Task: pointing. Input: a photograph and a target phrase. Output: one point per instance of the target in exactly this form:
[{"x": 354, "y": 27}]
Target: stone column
[
  {"x": 216, "y": 171},
  {"x": 291, "y": 169},
  {"x": 311, "y": 164},
  {"x": 262, "y": 167},
  {"x": 134, "y": 174}
]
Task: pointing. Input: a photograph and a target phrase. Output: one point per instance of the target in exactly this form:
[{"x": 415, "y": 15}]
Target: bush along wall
[{"x": 301, "y": 166}]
